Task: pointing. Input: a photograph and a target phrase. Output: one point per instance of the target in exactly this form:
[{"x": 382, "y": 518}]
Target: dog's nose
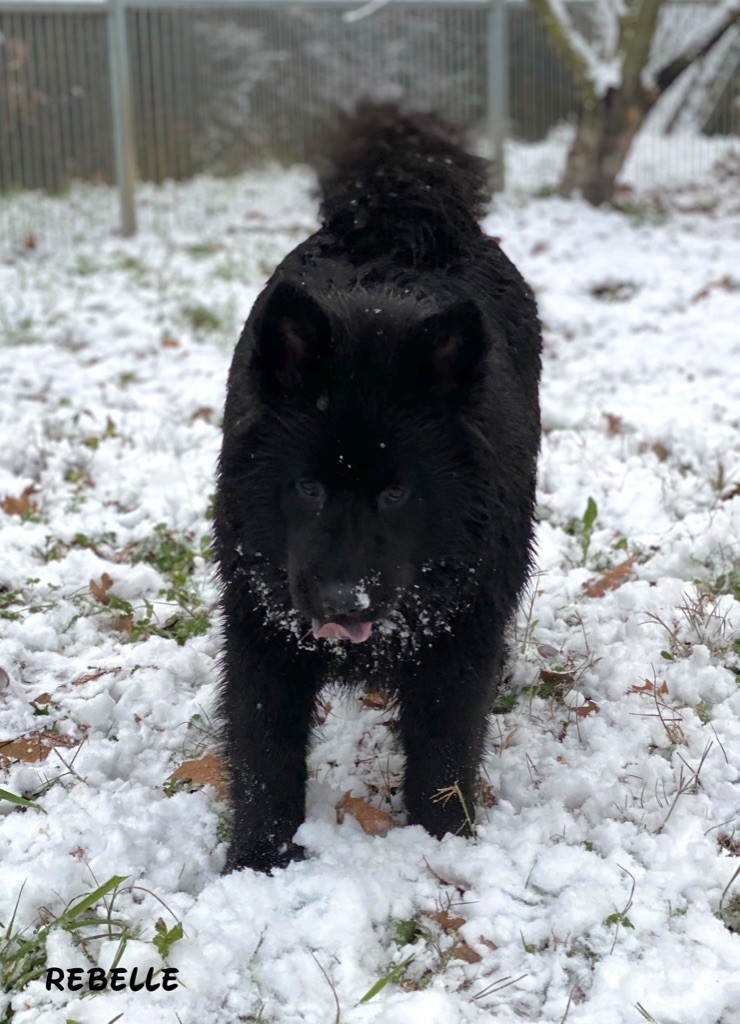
[{"x": 343, "y": 599}]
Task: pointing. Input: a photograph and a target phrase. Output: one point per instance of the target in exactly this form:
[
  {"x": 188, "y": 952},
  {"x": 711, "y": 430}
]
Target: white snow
[{"x": 594, "y": 885}]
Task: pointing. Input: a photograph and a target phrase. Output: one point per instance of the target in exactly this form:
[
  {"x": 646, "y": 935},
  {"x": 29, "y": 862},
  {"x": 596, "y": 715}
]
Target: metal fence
[
  {"x": 90, "y": 89},
  {"x": 173, "y": 87}
]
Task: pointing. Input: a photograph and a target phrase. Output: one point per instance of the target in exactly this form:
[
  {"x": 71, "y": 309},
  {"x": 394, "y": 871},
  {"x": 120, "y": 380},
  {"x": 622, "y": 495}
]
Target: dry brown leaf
[
  {"x": 725, "y": 283},
  {"x": 509, "y": 737},
  {"x": 370, "y": 819},
  {"x": 43, "y": 698},
  {"x": 100, "y": 590},
  {"x": 659, "y": 450},
  {"x": 170, "y": 343},
  {"x": 205, "y": 412},
  {"x": 609, "y": 580},
  {"x": 33, "y": 748},
  {"x": 589, "y": 708},
  {"x": 615, "y": 425},
  {"x": 89, "y": 677},
  {"x": 551, "y": 676},
  {"x": 649, "y": 688},
  {"x": 462, "y": 951},
  {"x": 204, "y": 771},
  {"x": 445, "y": 920},
  {"x": 731, "y": 845},
  {"x": 20, "y": 506},
  {"x": 4, "y": 679},
  {"x": 123, "y": 624},
  {"x": 487, "y": 942},
  {"x": 486, "y": 793}
]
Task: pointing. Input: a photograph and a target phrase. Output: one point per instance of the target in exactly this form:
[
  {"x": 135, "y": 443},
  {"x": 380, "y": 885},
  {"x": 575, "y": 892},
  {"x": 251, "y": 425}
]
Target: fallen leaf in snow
[
  {"x": 35, "y": 747},
  {"x": 20, "y": 506},
  {"x": 445, "y": 920},
  {"x": 648, "y": 688},
  {"x": 589, "y": 708},
  {"x": 89, "y": 677},
  {"x": 615, "y": 425},
  {"x": 203, "y": 771},
  {"x": 507, "y": 740},
  {"x": 551, "y": 676},
  {"x": 370, "y": 819},
  {"x": 462, "y": 951},
  {"x": 609, "y": 580},
  {"x": 732, "y": 846},
  {"x": 100, "y": 590},
  {"x": 726, "y": 283},
  {"x": 123, "y": 623},
  {"x": 205, "y": 412},
  {"x": 659, "y": 450}
]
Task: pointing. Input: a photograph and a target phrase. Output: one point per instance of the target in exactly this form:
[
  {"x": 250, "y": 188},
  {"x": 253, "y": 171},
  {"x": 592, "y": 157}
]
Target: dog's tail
[{"x": 401, "y": 185}]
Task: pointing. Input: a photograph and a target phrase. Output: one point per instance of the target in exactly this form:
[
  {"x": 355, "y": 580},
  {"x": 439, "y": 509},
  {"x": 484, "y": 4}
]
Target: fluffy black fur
[{"x": 377, "y": 472}]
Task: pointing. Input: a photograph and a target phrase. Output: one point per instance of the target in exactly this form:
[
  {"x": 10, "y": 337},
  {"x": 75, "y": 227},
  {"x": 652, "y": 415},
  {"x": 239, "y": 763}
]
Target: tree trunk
[{"x": 606, "y": 128}]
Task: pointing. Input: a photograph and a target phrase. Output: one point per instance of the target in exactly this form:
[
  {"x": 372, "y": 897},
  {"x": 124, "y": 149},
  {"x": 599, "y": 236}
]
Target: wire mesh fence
[{"x": 225, "y": 85}]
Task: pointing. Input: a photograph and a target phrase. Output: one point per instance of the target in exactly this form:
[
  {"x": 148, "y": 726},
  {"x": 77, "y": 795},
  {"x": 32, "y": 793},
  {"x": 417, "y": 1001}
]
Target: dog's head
[{"x": 355, "y": 466}]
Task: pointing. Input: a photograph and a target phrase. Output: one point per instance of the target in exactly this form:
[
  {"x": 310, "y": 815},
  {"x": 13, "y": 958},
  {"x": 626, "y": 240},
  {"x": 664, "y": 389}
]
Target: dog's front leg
[{"x": 267, "y": 703}]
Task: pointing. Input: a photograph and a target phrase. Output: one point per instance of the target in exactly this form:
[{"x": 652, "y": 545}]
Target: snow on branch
[
  {"x": 591, "y": 68},
  {"x": 596, "y": 66},
  {"x": 723, "y": 17},
  {"x": 636, "y": 33},
  {"x": 607, "y": 15}
]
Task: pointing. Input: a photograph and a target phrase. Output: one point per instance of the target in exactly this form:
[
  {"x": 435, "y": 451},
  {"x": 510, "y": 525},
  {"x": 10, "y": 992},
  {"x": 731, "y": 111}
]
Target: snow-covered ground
[{"x": 600, "y": 885}]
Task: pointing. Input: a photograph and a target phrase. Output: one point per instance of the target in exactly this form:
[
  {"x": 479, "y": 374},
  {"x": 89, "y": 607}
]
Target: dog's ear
[
  {"x": 292, "y": 340},
  {"x": 448, "y": 348}
]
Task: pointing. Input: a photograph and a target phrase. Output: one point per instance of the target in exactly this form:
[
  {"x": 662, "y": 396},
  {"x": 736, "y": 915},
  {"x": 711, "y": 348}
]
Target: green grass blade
[
  {"x": 21, "y": 801},
  {"x": 395, "y": 972},
  {"x": 64, "y": 918},
  {"x": 90, "y": 900}
]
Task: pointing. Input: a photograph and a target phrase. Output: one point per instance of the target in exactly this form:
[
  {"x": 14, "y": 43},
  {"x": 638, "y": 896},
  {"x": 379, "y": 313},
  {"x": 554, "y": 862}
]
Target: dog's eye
[
  {"x": 310, "y": 489},
  {"x": 393, "y": 497}
]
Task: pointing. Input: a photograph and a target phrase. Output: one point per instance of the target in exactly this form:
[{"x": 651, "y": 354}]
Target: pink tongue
[{"x": 357, "y": 632}]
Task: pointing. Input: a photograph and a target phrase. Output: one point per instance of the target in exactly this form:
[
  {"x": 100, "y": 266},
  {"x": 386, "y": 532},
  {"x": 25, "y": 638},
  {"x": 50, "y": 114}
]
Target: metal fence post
[
  {"x": 497, "y": 79},
  {"x": 124, "y": 147}
]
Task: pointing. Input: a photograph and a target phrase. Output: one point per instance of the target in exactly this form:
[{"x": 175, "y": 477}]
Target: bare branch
[
  {"x": 569, "y": 41},
  {"x": 636, "y": 32},
  {"x": 729, "y": 16}
]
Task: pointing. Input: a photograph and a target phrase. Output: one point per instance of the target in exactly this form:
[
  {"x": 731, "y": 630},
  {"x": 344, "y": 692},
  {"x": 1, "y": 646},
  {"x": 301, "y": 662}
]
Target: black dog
[{"x": 376, "y": 483}]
